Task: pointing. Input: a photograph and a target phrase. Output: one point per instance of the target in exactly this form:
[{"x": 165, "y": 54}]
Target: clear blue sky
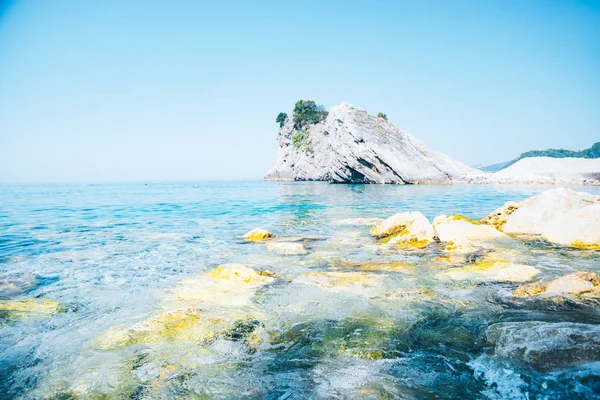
[{"x": 112, "y": 90}]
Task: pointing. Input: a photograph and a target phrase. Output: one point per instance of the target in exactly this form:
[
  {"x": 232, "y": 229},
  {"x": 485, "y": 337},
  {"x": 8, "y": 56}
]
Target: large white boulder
[
  {"x": 561, "y": 216},
  {"x": 461, "y": 234}
]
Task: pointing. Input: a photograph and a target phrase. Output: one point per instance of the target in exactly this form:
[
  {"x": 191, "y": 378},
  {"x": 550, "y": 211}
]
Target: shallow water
[{"x": 113, "y": 256}]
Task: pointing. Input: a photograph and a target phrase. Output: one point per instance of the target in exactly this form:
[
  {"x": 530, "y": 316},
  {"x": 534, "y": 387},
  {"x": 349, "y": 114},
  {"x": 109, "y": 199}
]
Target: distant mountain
[{"x": 592, "y": 152}]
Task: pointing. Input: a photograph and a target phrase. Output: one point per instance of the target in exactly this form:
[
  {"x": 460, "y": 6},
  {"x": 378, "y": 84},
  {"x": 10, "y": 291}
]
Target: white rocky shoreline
[{"x": 351, "y": 146}]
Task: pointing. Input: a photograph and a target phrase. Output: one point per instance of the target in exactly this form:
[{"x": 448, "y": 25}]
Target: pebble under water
[{"x": 122, "y": 297}]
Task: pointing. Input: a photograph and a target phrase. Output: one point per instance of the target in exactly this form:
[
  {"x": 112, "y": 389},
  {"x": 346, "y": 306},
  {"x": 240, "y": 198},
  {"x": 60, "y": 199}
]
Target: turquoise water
[{"x": 111, "y": 257}]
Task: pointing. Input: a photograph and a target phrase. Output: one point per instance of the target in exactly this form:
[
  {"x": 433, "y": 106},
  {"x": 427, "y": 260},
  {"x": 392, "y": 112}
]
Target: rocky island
[{"x": 348, "y": 145}]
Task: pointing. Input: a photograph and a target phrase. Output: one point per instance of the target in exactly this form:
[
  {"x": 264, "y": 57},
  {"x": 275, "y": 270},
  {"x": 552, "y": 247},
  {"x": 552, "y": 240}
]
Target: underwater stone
[
  {"x": 492, "y": 272},
  {"x": 577, "y": 283},
  {"x": 287, "y": 248},
  {"x": 546, "y": 345},
  {"x": 29, "y": 308}
]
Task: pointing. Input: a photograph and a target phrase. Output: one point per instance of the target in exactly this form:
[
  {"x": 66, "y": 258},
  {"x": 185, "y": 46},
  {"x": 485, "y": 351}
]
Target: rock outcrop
[
  {"x": 411, "y": 229},
  {"x": 560, "y": 216},
  {"x": 460, "y": 233},
  {"x": 351, "y": 146}
]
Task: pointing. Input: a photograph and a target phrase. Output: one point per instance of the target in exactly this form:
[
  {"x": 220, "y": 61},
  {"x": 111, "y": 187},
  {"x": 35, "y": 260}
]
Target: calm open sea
[{"x": 111, "y": 257}]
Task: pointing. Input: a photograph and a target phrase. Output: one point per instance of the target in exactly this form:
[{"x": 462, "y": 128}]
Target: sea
[{"x": 147, "y": 291}]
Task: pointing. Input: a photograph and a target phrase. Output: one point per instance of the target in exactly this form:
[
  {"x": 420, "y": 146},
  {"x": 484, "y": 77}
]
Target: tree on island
[
  {"x": 281, "y": 118},
  {"x": 382, "y": 115},
  {"x": 307, "y": 112}
]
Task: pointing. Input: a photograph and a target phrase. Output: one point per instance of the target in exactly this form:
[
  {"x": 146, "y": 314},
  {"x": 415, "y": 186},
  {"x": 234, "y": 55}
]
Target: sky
[{"x": 111, "y": 90}]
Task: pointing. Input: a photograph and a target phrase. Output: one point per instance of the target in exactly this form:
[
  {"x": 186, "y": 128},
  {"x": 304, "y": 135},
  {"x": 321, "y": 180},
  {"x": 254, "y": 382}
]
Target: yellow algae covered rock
[
  {"x": 166, "y": 325},
  {"x": 578, "y": 283},
  {"x": 258, "y": 234},
  {"x": 29, "y": 308},
  {"x": 457, "y": 228},
  {"x": 230, "y": 285},
  {"x": 560, "y": 216},
  {"x": 352, "y": 281},
  {"x": 239, "y": 272},
  {"x": 188, "y": 324},
  {"x": 408, "y": 229},
  {"x": 287, "y": 248},
  {"x": 492, "y": 272},
  {"x": 458, "y": 233},
  {"x": 389, "y": 266},
  {"x": 498, "y": 217}
]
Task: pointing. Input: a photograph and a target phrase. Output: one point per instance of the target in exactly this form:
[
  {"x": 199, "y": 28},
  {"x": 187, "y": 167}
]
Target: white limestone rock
[
  {"x": 561, "y": 216},
  {"x": 407, "y": 228},
  {"x": 457, "y": 228},
  {"x": 351, "y": 146}
]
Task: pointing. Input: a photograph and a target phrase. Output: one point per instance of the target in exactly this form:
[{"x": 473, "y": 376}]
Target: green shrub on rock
[
  {"x": 307, "y": 112},
  {"x": 281, "y": 118}
]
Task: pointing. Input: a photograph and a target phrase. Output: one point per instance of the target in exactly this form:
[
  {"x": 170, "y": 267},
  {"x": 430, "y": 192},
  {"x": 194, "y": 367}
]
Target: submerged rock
[
  {"x": 578, "y": 283},
  {"x": 351, "y": 146},
  {"x": 229, "y": 285},
  {"x": 28, "y": 308},
  {"x": 546, "y": 345},
  {"x": 258, "y": 234},
  {"x": 202, "y": 308},
  {"x": 410, "y": 229},
  {"x": 16, "y": 284},
  {"x": 459, "y": 233},
  {"x": 342, "y": 281},
  {"x": 388, "y": 266},
  {"x": 358, "y": 221},
  {"x": 239, "y": 272},
  {"x": 287, "y": 248},
  {"x": 560, "y": 216},
  {"x": 169, "y": 324},
  {"x": 492, "y": 272}
]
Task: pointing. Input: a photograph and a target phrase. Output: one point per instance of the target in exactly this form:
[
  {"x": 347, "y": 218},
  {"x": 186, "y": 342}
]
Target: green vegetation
[
  {"x": 382, "y": 115},
  {"x": 592, "y": 152},
  {"x": 281, "y": 118},
  {"x": 301, "y": 141},
  {"x": 307, "y": 112}
]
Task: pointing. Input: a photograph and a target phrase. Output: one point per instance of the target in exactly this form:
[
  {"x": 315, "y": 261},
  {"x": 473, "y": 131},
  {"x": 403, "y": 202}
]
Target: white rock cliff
[{"x": 351, "y": 146}]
